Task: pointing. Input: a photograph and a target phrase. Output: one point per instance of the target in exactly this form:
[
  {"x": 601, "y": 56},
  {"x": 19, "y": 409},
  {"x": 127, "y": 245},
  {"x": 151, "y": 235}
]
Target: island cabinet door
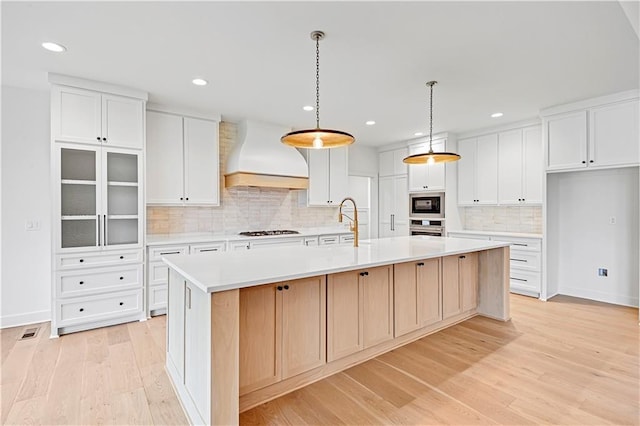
[
  {"x": 175, "y": 327},
  {"x": 429, "y": 291},
  {"x": 260, "y": 336},
  {"x": 304, "y": 308},
  {"x": 450, "y": 287},
  {"x": 377, "y": 305},
  {"x": 468, "y": 273},
  {"x": 344, "y": 315}
]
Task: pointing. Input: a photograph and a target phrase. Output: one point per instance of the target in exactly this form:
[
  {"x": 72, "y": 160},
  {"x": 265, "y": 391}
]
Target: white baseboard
[
  {"x": 24, "y": 319},
  {"x": 616, "y": 299}
]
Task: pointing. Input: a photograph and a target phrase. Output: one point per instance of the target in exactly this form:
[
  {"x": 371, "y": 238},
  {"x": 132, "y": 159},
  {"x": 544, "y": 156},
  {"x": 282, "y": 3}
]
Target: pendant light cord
[
  {"x": 431, "y": 83},
  {"x": 317, "y": 81}
]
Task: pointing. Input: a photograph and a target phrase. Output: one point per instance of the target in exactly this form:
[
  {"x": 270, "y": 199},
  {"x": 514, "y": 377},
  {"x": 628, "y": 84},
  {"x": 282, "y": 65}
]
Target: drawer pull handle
[
  {"x": 121, "y": 257},
  {"x": 81, "y": 282},
  {"x": 81, "y": 309},
  {"x": 169, "y": 252},
  {"x": 519, "y": 279},
  {"x": 205, "y": 250},
  {"x": 519, "y": 260},
  {"x": 462, "y": 257},
  {"x": 121, "y": 303},
  {"x": 279, "y": 288},
  {"x": 420, "y": 264},
  {"x": 521, "y": 245},
  {"x": 286, "y": 287},
  {"x": 81, "y": 260}
]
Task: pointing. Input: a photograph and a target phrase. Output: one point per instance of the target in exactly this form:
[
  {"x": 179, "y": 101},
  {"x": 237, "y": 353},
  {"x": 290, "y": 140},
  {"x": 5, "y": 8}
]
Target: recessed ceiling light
[
  {"x": 370, "y": 123},
  {"x": 307, "y": 108},
  {"x": 418, "y": 134},
  {"x": 199, "y": 82},
  {"x": 53, "y": 47},
  {"x": 496, "y": 115}
]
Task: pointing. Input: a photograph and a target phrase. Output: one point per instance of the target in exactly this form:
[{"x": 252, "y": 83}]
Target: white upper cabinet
[
  {"x": 86, "y": 116},
  {"x": 390, "y": 162},
  {"x": 427, "y": 177},
  {"x": 182, "y": 160},
  {"x": 520, "y": 166},
  {"x": 478, "y": 170},
  {"x": 598, "y": 133},
  {"x": 328, "y": 176}
]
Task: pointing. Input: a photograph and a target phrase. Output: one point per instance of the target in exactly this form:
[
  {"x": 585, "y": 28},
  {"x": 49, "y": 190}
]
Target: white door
[
  {"x": 467, "y": 172},
  {"x": 487, "y": 169},
  {"x": 78, "y": 117},
  {"x": 510, "y": 167},
  {"x": 533, "y": 165},
  {"x": 201, "y": 162},
  {"x": 401, "y": 207},
  {"x": 614, "y": 135},
  {"x": 338, "y": 175},
  {"x": 418, "y": 173},
  {"x": 386, "y": 199},
  {"x": 122, "y": 122},
  {"x": 318, "y": 192},
  {"x": 566, "y": 141},
  {"x": 164, "y": 159}
]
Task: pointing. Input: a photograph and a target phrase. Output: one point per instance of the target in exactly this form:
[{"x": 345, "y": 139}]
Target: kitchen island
[{"x": 247, "y": 327}]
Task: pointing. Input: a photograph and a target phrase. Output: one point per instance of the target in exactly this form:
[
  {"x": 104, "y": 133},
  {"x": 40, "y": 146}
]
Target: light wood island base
[{"x": 204, "y": 359}]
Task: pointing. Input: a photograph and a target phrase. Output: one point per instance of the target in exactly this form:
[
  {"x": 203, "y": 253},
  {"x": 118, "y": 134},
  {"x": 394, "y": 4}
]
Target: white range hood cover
[{"x": 260, "y": 159}]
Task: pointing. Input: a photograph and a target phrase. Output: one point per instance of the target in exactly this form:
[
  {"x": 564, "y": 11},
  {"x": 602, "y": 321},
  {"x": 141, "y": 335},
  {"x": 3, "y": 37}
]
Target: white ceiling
[{"x": 512, "y": 57}]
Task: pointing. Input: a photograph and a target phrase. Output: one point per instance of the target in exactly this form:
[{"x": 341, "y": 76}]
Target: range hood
[{"x": 260, "y": 159}]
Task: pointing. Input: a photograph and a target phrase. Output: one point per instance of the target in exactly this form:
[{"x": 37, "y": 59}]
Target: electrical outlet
[
  {"x": 32, "y": 225},
  {"x": 612, "y": 220},
  {"x": 603, "y": 272}
]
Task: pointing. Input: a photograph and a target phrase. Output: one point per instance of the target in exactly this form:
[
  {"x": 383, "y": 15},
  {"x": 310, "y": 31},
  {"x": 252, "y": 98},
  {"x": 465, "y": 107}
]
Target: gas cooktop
[{"x": 263, "y": 233}]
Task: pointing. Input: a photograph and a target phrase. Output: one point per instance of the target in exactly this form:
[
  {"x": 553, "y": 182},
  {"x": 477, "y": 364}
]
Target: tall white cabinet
[
  {"x": 98, "y": 204},
  {"x": 328, "y": 176},
  {"x": 182, "y": 160},
  {"x": 393, "y": 194}
]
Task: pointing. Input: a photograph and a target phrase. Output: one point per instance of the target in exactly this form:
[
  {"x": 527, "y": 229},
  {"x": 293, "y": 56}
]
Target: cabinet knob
[
  {"x": 81, "y": 309},
  {"x": 81, "y": 260},
  {"x": 420, "y": 264},
  {"x": 425, "y": 187},
  {"x": 121, "y": 303},
  {"x": 121, "y": 278},
  {"x": 81, "y": 282},
  {"x": 279, "y": 288},
  {"x": 121, "y": 257},
  {"x": 362, "y": 274},
  {"x": 584, "y": 162},
  {"x": 181, "y": 198},
  {"x": 462, "y": 257},
  {"x": 104, "y": 139},
  {"x": 286, "y": 287},
  {"x": 98, "y": 137},
  {"x": 591, "y": 161},
  {"x": 187, "y": 198}
]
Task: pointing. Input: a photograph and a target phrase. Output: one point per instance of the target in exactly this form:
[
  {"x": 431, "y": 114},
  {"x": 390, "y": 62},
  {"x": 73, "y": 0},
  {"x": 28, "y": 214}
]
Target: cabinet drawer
[
  {"x": 523, "y": 259},
  {"x": 521, "y": 243},
  {"x": 158, "y": 297},
  {"x": 346, "y": 238},
  {"x": 525, "y": 281},
  {"x": 239, "y": 245},
  {"x": 89, "y": 260},
  {"x": 156, "y": 253},
  {"x": 328, "y": 239},
  {"x": 208, "y": 247},
  {"x": 158, "y": 273},
  {"x": 91, "y": 281},
  {"x": 310, "y": 241},
  {"x": 97, "y": 308}
]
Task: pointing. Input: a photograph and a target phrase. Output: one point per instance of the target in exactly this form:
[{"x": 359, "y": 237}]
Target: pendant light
[
  {"x": 431, "y": 157},
  {"x": 317, "y": 138}
]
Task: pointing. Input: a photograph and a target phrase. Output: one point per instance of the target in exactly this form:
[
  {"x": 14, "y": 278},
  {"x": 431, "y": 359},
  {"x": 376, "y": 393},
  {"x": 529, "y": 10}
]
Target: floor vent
[{"x": 30, "y": 333}]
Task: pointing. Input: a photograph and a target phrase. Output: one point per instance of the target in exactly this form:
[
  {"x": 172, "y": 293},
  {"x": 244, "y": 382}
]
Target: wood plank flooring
[{"x": 566, "y": 361}]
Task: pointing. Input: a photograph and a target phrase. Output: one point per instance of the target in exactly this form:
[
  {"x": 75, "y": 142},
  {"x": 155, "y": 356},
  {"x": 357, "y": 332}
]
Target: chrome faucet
[{"x": 353, "y": 226}]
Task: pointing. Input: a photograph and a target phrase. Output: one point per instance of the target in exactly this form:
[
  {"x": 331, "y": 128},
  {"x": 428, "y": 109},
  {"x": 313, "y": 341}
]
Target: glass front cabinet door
[{"x": 100, "y": 200}]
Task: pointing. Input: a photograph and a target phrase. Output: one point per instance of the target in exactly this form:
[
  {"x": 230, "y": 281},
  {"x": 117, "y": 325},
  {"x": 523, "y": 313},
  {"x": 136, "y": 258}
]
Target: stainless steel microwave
[{"x": 426, "y": 205}]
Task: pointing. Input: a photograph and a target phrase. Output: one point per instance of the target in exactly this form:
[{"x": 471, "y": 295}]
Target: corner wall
[{"x": 25, "y": 286}]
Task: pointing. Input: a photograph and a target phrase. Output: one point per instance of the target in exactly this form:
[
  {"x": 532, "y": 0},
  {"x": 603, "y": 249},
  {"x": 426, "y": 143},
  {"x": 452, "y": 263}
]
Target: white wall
[
  {"x": 25, "y": 284},
  {"x": 583, "y": 239}
]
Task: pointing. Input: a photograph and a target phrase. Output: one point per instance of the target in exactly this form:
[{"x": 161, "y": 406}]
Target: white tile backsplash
[
  {"x": 241, "y": 209},
  {"x": 526, "y": 219}
]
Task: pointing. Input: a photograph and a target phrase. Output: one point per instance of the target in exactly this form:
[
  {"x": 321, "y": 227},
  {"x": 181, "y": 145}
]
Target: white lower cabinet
[
  {"x": 525, "y": 260},
  {"x": 100, "y": 307}
]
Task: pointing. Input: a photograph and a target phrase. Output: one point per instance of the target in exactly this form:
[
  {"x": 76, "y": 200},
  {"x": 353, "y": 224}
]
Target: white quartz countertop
[
  {"x": 498, "y": 233},
  {"x": 219, "y": 271},
  {"x": 203, "y": 237}
]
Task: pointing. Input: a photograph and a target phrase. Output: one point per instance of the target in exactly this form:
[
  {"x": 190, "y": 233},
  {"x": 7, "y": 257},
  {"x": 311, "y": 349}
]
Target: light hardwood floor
[{"x": 566, "y": 361}]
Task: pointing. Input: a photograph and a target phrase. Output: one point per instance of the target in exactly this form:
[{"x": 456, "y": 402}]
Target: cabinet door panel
[
  {"x": 405, "y": 298},
  {"x": 533, "y": 166},
  {"x": 377, "y": 305},
  {"x": 175, "y": 328},
  {"x": 429, "y": 285},
  {"x": 164, "y": 158},
  {"x": 450, "y": 287},
  {"x": 201, "y": 162},
  {"x": 197, "y": 356},
  {"x": 303, "y": 325},
  {"x": 260, "y": 337},
  {"x": 338, "y": 176},
  {"x": 466, "y": 171},
  {"x": 418, "y": 173},
  {"x": 436, "y": 175},
  {"x": 386, "y": 194},
  {"x": 401, "y": 206},
  {"x": 614, "y": 135},
  {"x": 567, "y": 141},
  {"x": 122, "y": 121},
  {"x": 344, "y": 315},
  {"x": 79, "y": 116},
  {"x": 468, "y": 276},
  {"x": 318, "y": 192},
  {"x": 510, "y": 167},
  {"x": 487, "y": 169}
]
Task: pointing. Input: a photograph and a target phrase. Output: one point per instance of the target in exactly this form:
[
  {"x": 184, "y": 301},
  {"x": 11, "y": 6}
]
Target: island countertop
[{"x": 220, "y": 271}]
